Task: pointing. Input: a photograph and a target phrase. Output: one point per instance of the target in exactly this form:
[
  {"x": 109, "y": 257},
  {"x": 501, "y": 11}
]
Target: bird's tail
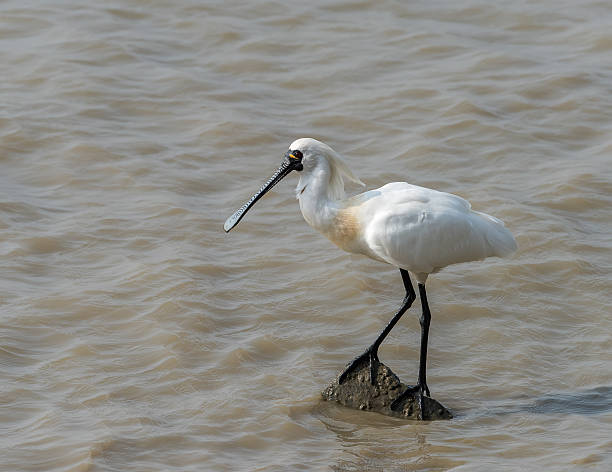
[{"x": 499, "y": 238}]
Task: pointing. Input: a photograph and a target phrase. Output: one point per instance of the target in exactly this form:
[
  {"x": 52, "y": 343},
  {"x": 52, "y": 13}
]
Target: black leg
[
  {"x": 421, "y": 388},
  {"x": 424, "y": 321},
  {"x": 371, "y": 353}
]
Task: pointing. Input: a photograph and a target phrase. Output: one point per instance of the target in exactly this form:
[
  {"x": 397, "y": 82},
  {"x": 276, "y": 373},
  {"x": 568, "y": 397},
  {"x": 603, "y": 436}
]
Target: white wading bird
[{"x": 413, "y": 228}]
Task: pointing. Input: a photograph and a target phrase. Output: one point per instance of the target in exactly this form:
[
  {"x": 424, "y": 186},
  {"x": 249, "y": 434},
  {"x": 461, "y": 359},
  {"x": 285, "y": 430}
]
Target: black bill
[{"x": 287, "y": 166}]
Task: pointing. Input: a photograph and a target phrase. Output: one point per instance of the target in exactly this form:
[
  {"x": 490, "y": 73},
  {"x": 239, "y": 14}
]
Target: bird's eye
[{"x": 297, "y": 155}]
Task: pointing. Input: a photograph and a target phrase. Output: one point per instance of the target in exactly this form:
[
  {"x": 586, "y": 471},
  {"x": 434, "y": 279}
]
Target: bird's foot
[
  {"x": 418, "y": 391},
  {"x": 370, "y": 356}
]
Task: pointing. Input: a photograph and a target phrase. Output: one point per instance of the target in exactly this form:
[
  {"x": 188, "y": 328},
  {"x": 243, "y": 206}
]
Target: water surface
[{"x": 136, "y": 335}]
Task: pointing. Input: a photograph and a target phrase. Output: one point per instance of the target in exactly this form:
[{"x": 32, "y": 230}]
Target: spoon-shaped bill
[{"x": 286, "y": 167}]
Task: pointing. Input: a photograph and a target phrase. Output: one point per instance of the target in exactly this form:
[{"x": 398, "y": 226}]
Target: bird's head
[
  {"x": 322, "y": 166},
  {"x": 304, "y": 155}
]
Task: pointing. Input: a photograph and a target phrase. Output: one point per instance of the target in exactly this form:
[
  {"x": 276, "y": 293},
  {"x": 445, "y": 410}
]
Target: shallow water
[{"x": 136, "y": 335}]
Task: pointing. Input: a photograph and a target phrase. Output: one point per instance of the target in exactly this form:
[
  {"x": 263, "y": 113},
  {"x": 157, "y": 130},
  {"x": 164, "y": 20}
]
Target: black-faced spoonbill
[{"x": 415, "y": 229}]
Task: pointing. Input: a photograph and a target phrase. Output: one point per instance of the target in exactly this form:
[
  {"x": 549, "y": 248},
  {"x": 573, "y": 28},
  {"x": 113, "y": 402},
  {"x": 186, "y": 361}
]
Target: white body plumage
[{"x": 413, "y": 228}]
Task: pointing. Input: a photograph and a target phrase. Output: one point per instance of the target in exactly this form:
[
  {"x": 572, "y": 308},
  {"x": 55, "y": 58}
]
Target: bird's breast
[{"x": 345, "y": 229}]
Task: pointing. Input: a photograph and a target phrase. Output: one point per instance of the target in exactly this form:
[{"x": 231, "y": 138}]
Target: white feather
[
  {"x": 410, "y": 227},
  {"x": 318, "y": 154}
]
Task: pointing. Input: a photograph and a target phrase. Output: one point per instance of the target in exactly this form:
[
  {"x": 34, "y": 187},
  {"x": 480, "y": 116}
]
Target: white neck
[{"x": 317, "y": 207}]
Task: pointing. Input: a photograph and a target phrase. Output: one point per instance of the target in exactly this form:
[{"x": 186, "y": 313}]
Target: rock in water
[{"x": 358, "y": 392}]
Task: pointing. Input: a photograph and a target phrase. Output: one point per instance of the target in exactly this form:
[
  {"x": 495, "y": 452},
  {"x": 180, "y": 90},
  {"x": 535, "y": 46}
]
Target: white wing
[{"x": 423, "y": 230}]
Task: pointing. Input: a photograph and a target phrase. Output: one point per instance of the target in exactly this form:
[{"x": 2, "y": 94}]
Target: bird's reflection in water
[{"x": 368, "y": 441}]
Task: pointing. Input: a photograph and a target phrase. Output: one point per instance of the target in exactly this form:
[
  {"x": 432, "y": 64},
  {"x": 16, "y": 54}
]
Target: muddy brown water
[{"x": 136, "y": 335}]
